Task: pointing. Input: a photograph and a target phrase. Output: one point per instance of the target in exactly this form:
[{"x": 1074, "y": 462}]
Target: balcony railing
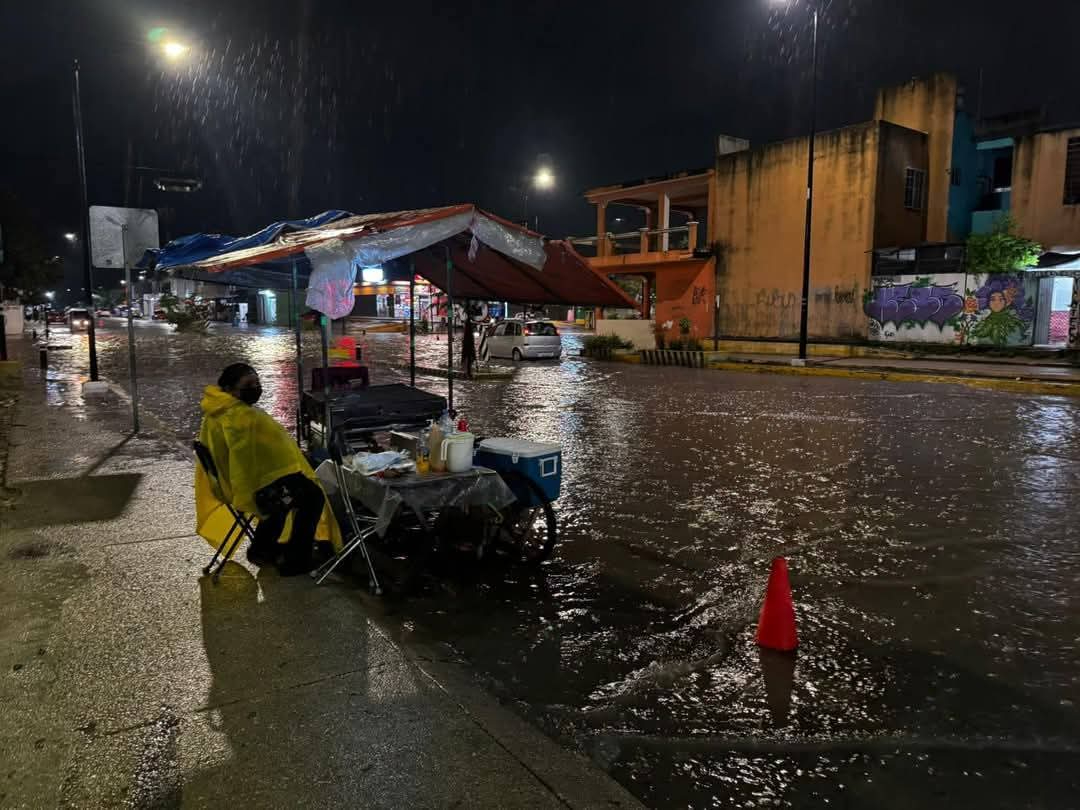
[{"x": 644, "y": 240}]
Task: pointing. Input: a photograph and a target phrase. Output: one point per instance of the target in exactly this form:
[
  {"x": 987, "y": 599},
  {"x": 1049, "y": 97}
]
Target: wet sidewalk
[{"x": 128, "y": 679}]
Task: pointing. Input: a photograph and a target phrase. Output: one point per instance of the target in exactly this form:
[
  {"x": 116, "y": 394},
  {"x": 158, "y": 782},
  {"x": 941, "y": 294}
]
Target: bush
[
  {"x": 604, "y": 345},
  {"x": 1001, "y": 250}
]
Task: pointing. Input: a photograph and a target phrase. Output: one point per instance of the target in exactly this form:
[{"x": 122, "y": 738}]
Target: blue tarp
[{"x": 194, "y": 248}]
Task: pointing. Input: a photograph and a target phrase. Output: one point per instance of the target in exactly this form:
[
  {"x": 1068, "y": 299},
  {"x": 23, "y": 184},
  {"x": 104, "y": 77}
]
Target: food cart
[{"x": 467, "y": 254}]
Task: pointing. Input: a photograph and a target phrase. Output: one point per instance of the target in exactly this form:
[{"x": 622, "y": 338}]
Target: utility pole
[
  {"x": 88, "y": 272},
  {"x": 805, "y": 312}
]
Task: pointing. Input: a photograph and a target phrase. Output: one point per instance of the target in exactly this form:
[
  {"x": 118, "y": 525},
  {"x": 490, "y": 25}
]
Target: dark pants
[{"x": 292, "y": 493}]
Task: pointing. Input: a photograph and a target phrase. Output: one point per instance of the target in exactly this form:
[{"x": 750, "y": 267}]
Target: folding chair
[
  {"x": 241, "y": 520},
  {"x": 359, "y": 536}
]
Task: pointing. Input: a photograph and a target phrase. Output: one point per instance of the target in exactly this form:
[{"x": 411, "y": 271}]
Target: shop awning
[{"x": 492, "y": 259}]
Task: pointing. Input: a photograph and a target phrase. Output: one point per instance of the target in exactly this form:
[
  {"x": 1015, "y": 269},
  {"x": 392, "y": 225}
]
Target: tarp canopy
[{"x": 493, "y": 259}]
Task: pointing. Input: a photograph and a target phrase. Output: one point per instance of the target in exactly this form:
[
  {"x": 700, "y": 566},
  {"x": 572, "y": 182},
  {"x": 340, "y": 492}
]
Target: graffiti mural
[
  {"x": 1005, "y": 316},
  {"x": 917, "y": 302},
  {"x": 995, "y": 309}
]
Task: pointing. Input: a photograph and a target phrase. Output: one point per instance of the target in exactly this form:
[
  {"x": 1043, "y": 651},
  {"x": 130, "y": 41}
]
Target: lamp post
[
  {"x": 805, "y": 306},
  {"x": 173, "y": 51},
  {"x": 542, "y": 180}
]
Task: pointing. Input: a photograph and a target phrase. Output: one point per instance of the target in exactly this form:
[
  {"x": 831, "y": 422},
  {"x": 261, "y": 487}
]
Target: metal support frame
[
  {"x": 298, "y": 328},
  {"x": 412, "y": 325},
  {"x": 449, "y": 329},
  {"x": 324, "y": 326},
  {"x": 359, "y": 535}
]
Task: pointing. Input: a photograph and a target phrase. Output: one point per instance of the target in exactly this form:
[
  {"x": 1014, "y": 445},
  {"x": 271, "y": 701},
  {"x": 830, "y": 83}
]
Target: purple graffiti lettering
[{"x": 906, "y": 302}]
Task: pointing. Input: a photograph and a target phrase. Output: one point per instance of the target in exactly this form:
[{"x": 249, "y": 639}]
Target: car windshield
[
  {"x": 78, "y": 313},
  {"x": 542, "y": 330}
]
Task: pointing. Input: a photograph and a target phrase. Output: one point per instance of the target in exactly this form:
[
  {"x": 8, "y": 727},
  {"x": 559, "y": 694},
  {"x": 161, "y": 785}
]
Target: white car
[{"x": 525, "y": 340}]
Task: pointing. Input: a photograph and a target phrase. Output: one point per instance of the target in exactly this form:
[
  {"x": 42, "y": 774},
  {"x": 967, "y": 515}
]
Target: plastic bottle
[{"x": 435, "y": 448}]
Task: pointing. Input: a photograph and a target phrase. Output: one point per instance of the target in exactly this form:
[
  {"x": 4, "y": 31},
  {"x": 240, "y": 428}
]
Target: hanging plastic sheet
[
  {"x": 396, "y": 242},
  {"x": 526, "y": 247},
  {"x": 333, "y": 272}
]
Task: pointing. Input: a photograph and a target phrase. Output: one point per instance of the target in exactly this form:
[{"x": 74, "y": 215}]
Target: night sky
[{"x": 291, "y": 108}]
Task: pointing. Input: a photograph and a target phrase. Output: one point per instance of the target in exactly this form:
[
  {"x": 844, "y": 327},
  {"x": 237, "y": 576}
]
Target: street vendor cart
[{"x": 504, "y": 500}]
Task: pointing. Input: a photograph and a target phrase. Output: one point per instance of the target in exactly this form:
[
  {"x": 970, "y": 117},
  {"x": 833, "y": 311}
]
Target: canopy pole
[
  {"x": 449, "y": 328},
  {"x": 412, "y": 324},
  {"x": 324, "y": 324},
  {"x": 132, "y": 371},
  {"x": 298, "y": 327}
]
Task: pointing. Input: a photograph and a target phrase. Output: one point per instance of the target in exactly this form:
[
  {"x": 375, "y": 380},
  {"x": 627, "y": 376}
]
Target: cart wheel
[{"x": 533, "y": 530}]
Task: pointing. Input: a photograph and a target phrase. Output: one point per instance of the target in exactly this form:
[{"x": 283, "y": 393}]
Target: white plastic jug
[{"x": 457, "y": 452}]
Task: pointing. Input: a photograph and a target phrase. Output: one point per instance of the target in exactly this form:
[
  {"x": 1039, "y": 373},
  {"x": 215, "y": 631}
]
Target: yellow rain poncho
[{"x": 251, "y": 451}]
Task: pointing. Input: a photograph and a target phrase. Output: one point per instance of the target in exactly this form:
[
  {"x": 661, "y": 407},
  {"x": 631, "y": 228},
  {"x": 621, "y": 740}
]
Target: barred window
[
  {"x": 915, "y": 189},
  {"x": 1072, "y": 172}
]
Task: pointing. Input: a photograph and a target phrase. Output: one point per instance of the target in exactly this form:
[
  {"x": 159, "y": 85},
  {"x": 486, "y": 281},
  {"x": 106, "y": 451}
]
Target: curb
[
  {"x": 1017, "y": 385},
  {"x": 1028, "y": 386}
]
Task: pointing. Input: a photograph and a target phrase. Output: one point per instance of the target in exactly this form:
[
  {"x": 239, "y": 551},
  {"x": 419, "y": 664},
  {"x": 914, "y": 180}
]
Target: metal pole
[
  {"x": 412, "y": 325},
  {"x": 132, "y": 375},
  {"x": 805, "y": 314},
  {"x": 298, "y": 329},
  {"x": 88, "y": 272},
  {"x": 324, "y": 325},
  {"x": 449, "y": 329},
  {"x": 3, "y": 332}
]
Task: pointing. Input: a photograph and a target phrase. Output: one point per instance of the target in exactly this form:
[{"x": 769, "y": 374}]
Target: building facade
[{"x": 721, "y": 249}]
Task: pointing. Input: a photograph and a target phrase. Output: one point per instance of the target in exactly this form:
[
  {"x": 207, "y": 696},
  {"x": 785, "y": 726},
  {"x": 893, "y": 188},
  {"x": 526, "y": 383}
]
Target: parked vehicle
[
  {"x": 525, "y": 340},
  {"x": 78, "y": 319}
]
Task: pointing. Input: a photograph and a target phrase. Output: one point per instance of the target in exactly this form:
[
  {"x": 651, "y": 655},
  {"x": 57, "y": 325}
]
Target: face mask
[{"x": 250, "y": 395}]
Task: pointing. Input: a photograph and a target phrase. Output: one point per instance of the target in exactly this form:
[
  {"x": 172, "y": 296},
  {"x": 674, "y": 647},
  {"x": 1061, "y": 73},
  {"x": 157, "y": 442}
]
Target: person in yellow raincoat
[{"x": 261, "y": 471}]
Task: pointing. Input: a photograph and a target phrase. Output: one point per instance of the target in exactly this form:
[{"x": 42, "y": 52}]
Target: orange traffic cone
[{"x": 776, "y": 626}]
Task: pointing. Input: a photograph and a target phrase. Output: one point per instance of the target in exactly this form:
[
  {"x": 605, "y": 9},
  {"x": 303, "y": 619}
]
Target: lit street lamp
[
  {"x": 173, "y": 51},
  {"x": 542, "y": 180},
  {"x": 71, "y": 237},
  {"x": 805, "y": 308}
]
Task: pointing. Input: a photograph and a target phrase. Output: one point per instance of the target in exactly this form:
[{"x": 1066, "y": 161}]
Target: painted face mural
[{"x": 997, "y": 302}]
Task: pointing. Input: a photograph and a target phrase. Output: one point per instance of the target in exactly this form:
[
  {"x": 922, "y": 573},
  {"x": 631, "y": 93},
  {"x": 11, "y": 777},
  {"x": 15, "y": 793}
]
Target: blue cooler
[{"x": 538, "y": 462}]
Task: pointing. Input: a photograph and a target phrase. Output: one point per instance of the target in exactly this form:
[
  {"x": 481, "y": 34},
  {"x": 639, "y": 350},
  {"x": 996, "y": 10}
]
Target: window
[
  {"x": 914, "y": 189},
  {"x": 539, "y": 329},
  {"x": 1072, "y": 172},
  {"x": 500, "y": 330},
  {"x": 955, "y": 174}
]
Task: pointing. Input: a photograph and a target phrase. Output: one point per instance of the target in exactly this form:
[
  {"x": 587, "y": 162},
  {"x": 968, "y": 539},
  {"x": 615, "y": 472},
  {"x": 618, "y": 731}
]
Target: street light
[
  {"x": 70, "y": 236},
  {"x": 542, "y": 180},
  {"x": 175, "y": 51},
  {"x": 805, "y": 307}
]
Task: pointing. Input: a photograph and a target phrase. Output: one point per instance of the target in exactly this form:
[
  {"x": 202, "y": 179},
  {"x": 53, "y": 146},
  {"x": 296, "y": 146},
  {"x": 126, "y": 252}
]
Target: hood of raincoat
[{"x": 214, "y": 401}]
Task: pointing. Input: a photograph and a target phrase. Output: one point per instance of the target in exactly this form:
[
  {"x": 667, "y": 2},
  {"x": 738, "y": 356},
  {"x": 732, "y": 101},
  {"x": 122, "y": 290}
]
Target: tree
[
  {"x": 1002, "y": 250},
  {"x": 27, "y": 270}
]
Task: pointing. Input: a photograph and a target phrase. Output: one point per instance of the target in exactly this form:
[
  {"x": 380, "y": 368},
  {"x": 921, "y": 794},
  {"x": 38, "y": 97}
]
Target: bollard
[{"x": 43, "y": 359}]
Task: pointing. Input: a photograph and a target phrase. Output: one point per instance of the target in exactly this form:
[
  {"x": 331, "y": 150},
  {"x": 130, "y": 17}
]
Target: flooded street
[{"x": 930, "y": 531}]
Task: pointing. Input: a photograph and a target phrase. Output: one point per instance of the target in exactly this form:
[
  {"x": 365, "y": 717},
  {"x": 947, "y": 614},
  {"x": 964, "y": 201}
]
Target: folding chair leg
[
  {"x": 245, "y": 530},
  {"x": 324, "y": 570},
  {"x": 225, "y": 542}
]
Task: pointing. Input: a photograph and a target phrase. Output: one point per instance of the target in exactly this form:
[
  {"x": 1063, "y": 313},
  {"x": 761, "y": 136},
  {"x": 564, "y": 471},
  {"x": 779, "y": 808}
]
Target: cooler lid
[{"x": 519, "y": 447}]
